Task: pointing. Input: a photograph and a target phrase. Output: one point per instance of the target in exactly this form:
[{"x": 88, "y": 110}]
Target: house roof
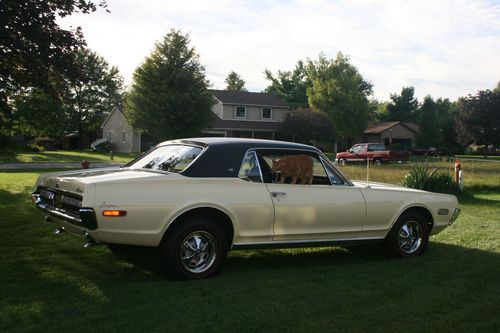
[
  {"x": 375, "y": 127},
  {"x": 248, "y": 98},
  {"x": 115, "y": 109},
  {"x": 246, "y": 125}
]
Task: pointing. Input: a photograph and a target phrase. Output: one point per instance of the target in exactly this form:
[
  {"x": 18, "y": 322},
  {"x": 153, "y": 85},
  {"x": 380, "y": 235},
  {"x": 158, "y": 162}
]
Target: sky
[{"x": 443, "y": 48}]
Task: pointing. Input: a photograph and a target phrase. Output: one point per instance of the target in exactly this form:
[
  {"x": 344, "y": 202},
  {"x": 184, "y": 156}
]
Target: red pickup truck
[{"x": 375, "y": 152}]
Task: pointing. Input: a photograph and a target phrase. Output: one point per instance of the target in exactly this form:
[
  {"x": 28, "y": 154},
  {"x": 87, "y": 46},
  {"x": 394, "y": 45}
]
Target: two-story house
[{"x": 247, "y": 114}]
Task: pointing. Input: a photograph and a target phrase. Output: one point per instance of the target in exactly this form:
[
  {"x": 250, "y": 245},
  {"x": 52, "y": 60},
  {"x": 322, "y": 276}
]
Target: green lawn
[
  {"x": 51, "y": 283},
  {"x": 63, "y": 156},
  {"x": 497, "y": 158}
]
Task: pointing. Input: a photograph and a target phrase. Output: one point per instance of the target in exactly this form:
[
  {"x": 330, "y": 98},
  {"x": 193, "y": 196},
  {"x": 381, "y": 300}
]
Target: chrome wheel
[
  {"x": 198, "y": 251},
  {"x": 341, "y": 161},
  {"x": 410, "y": 237},
  {"x": 377, "y": 162}
]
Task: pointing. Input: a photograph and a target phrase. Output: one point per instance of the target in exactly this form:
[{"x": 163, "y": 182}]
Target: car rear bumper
[{"x": 85, "y": 218}]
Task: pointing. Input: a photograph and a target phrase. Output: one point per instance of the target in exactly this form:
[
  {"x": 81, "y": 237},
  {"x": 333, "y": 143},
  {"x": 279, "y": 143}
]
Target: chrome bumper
[
  {"x": 455, "y": 215},
  {"x": 86, "y": 216}
]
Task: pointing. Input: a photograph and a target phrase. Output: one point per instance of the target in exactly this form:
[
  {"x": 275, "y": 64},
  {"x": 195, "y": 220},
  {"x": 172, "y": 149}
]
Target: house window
[
  {"x": 123, "y": 136},
  {"x": 267, "y": 113},
  {"x": 240, "y": 112}
]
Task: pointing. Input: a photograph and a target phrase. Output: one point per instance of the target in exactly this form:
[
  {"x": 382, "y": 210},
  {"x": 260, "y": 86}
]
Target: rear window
[{"x": 171, "y": 158}]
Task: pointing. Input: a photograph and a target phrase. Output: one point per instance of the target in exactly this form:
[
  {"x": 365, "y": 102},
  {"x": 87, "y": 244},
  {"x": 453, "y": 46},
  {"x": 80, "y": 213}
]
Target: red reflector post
[{"x": 114, "y": 212}]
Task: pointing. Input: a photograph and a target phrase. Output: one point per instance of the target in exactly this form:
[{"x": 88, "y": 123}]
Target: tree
[
  {"x": 378, "y": 110},
  {"x": 339, "y": 90},
  {"x": 291, "y": 86},
  {"x": 305, "y": 125},
  {"x": 478, "y": 120},
  {"x": 89, "y": 99},
  {"x": 235, "y": 82},
  {"x": 403, "y": 107},
  {"x": 169, "y": 97},
  {"x": 446, "y": 115},
  {"x": 39, "y": 114},
  {"x": 429, "y": 134},
  {"x": 33, "y": 48}
]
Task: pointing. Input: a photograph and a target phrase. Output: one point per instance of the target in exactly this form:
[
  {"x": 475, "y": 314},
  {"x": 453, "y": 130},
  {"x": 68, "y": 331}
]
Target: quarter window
[
  {"x": 240, "y": 112},
  {"x": 249, "y": 169},
  {"x": 267, "y": 113}
]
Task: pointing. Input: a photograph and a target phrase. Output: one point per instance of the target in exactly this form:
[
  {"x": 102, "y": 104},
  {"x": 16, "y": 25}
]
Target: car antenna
[{"x": 367, "y": 171}]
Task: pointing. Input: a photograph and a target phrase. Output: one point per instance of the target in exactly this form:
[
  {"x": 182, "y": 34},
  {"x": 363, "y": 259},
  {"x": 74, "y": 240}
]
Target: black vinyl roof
[{"x": 223, "y": 156}]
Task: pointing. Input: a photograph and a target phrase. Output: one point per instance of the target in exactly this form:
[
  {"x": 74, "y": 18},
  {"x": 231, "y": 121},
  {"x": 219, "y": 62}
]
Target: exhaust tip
[
  {"x": 58, "y": 231},
  {"x": 89, "y": 241},
  {"x": 88, "y": 244}
]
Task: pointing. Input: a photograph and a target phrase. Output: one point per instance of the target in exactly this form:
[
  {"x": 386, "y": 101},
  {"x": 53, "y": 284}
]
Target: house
[
  {"x": 392, "y": 132},
  {"x": 121, "y": 135},
  {"x": 246, "y": 114}
]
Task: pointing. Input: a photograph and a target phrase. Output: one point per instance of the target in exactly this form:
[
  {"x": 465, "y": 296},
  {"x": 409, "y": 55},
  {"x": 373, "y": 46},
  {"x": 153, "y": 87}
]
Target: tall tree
[
  {"x": 39, "y": 114},
  {"x": 478, "y": 120},
  {"x": 33, "y": 48},
  {"x": 89, "y": 98},
  {"x": 291, "y": 86},
  {"x": 403, "y": 107},
  {"x": 446, "y": 115},
  {"x": 235, "y": 82},
  {"x": 429, "y": 134},
  {"x": 305, "y": 125},
  {"x": 339, "y": 90},
  {"x": 169, "y": 97}
]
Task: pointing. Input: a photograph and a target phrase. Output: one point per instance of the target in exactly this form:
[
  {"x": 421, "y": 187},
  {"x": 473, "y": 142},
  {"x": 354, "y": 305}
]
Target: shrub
[
  {"x": 36, "y": 148},
  {"x": 420, "y": 178}
]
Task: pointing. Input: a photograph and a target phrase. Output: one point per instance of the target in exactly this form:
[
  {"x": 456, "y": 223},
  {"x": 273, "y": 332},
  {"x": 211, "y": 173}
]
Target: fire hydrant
[{"x": 85, "y": 164}]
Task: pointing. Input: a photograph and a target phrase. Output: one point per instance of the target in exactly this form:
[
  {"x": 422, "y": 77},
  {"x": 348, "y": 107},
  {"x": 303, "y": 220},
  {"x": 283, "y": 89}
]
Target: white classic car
[{"x": 195, "y": 199}]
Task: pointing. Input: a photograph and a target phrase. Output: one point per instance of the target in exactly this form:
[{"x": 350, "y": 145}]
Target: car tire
[
  {"x": 195, "y": 249},
  {"x": 408, "y": 237},
  {"x": 342, "y": 161},
  {"x": 377, "y": 162}
]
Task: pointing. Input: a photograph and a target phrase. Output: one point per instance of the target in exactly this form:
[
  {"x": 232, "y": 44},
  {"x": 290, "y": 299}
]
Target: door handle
[{"x": 277, "y": 194}]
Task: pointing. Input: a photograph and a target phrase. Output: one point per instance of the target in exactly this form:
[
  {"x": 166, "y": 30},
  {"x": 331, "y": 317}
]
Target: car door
[
  {"x": 318, "y": 211},
  {"x": 358, "y": 153}
]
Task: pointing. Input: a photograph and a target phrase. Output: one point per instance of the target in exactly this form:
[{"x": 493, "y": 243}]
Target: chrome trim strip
[
  {"x": 455, "y": 215},
  {"x": 304, "y": 243},
  {"x": 258, "y": 165}
]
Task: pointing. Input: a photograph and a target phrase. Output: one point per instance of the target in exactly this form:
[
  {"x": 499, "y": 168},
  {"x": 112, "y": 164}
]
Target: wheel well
[
  {"x": 424, "y": 212},
  {"x": 214, "y": 215}
]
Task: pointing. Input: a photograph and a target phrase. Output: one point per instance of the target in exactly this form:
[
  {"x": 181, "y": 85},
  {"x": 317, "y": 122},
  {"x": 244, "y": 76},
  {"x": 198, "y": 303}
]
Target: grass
[
  {"x": 63, "y": 156},
  {"x": 51, "y": 283},
  {"x": 481, "y": 157}
]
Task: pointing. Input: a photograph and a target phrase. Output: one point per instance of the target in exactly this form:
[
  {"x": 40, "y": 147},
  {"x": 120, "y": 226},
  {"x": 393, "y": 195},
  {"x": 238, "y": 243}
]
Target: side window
[
  {"x": 356, "y": 149},
  {"x": 292, "y": 167},
  {"x": 249, "y": 169},
  {"x": 334, "y": 177}
]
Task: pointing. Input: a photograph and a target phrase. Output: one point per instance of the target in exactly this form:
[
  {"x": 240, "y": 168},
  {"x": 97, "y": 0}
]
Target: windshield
[{"x": 171, "y": 158}]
